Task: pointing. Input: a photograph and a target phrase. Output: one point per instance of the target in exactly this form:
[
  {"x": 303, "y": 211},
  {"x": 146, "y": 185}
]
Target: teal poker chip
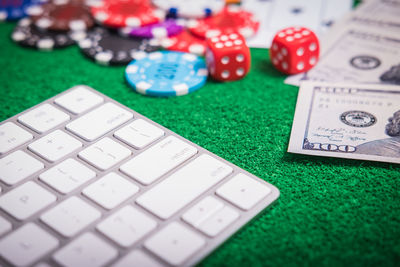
[{"x": 166, "y": 73}]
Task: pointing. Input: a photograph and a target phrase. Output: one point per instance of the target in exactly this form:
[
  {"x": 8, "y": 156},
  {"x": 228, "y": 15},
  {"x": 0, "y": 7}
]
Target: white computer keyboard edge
[{"x": 210, "y": 243}]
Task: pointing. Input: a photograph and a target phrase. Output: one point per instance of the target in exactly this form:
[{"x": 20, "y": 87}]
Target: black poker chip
[
  {"x": 110, "y": 47},
  {"x": 27, "y": 34}
]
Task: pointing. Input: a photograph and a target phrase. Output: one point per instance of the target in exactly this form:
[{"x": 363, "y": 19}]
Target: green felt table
[{"x": 331, "y": 212}]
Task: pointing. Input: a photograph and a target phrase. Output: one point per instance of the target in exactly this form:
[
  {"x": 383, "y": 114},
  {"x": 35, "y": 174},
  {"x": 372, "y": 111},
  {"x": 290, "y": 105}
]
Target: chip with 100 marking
[{"x": 166, "y": 73}]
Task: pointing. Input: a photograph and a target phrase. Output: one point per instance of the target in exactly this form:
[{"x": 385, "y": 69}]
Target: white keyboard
[{"x": 85, "y": 181}]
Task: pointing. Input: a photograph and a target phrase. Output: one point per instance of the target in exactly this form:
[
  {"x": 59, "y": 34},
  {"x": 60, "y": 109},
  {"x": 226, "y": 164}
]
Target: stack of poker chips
[
  {"x": 116, "y": 32},
  {"x": 46, "y": 25}
]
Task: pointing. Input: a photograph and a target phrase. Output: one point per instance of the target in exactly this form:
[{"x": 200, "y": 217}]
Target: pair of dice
[{"x": 294, "y": 50}]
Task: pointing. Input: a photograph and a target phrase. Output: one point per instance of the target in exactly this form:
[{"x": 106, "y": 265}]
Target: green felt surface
[{"x": 331, "y": 212}]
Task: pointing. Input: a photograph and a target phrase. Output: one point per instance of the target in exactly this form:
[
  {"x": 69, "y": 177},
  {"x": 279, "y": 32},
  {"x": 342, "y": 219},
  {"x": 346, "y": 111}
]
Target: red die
[
  {"x": 294, "y": 50},
  {"x": 228, "y": 57}
]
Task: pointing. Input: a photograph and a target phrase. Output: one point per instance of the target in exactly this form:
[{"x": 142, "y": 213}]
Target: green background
[{"x": 331, "y": 212}]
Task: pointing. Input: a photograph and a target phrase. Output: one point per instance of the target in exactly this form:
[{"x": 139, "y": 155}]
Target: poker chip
[
  {"x": 62, "y": 15},
  {"x": 190, "y": 8},
  {"x": 166, "y": 73},
  {"x": 126, "y": 13},
  {"x": 107, "y": 47},
  {"x": 16, "y": 9},
  {"x": 232, "y": 19},
  {"x": 163, "y": 29},
  {"x": 27, "y": 34},
  {"x": 185, "y": 42}
]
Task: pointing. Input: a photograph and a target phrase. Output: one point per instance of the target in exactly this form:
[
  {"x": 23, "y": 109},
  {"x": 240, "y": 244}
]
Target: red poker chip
[
  {"x": 232, "y": 19},
  {"x": 185, "y": 42},
  {"x": 62, "y": 15},
  {"x": 126, "y": 13}
]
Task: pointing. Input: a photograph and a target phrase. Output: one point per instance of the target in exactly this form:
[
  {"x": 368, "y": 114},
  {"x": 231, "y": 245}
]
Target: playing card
[
  {"x": 274, "y": 15},
  {"x": 262, "y": 10},
  {"x": 296, "y": 13},
  {"x": 383, "y": 10},
  {"x": 333, "y": 10}
]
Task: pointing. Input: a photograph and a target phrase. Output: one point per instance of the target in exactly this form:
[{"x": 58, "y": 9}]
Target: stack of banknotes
[{"x": 349, "y": 104}]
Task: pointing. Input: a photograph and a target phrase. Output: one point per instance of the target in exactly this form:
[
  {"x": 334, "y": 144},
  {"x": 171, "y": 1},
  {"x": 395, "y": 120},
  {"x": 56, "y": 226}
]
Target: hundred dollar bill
[
  {"x": 378, "y": 13},
  {"x": 358, "y": 55},
  {"x": 364, "y": 47},
  {"x": 356, "y": 121}
]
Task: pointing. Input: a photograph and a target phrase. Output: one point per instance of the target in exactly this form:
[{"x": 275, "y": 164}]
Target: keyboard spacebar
[
  {"x": 183, "y": 186},
  {"x": 99, "y": 121}
]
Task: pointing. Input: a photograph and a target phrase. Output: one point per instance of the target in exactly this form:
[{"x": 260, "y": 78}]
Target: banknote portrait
[
  {"x": 388, "y": 146},
  {"x": 392, "y": 75}
]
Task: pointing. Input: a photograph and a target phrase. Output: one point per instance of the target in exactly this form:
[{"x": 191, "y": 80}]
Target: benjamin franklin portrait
[{"x": 389, "y": 147}]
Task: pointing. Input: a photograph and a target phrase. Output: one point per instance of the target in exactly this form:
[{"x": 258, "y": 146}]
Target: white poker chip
[{"x": 190, "y": 8}]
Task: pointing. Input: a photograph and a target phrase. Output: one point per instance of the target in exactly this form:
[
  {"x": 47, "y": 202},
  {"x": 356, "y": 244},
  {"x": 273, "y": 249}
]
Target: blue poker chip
[
  {"x": 166, "y": 73},
  {"x": 16, "y": 9}
]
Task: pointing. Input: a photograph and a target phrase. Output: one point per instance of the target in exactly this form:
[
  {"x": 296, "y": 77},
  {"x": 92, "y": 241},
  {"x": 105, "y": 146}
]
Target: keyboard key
[
  {"x": 99, "y": 121},
  {"x": 175, "y": 243},
  {"x": 158, "y": 160},
  {"x": 110, "y": 191},
  {"x": 17, "y": 166},
  {"x": 139, "y": 133},
  {"x": 71, "y": 168},
  {"x": 26, "y": 200},
  {"x": 243, "y": 191},
  {"x": 105, "y": 153},
  {"x": 127, "y": 226},
  {"x": 86, "y": 250},
  {"x": 210, "y": 216},
  {"x": 5, "y": 226},
  {"x": 202, "y": 211},
  {"x": 219, "y": 221},
  {"x": 12, "y": 136},
  {"x": 183, "y": 186},
  {"x": 79, "y": 100},
  {"x": 55, "y": 145},
  {"x": 71, "y": 216},
  {"x": 43, "y": 118},
  {"x": 137, "y": 258},
  {"x": 67, "y": 176},
  {"x": 26, "y": 245}
]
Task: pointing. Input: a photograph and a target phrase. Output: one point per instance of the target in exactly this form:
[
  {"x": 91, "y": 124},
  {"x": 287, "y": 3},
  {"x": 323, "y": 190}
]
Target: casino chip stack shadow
[{"x": 201, "y": 38}]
